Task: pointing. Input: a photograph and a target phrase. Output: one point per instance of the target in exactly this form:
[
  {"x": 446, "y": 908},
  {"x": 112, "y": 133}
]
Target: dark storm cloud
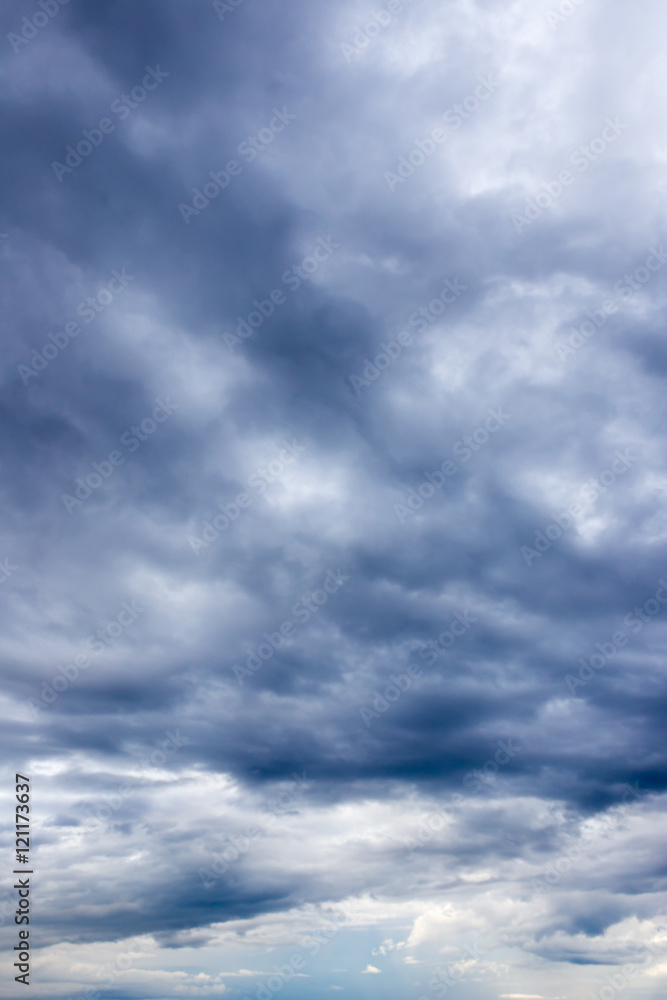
[{"x": 440, "y": 487}]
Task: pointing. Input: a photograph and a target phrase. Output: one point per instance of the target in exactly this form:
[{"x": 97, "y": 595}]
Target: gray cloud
[{"x": 541, "y": 530}]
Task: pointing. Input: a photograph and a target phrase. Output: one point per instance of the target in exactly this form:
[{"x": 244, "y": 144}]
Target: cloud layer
[{"x": 333, "y": 596}]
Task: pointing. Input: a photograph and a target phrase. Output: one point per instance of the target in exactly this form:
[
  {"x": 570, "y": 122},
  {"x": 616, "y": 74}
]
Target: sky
[{"x": 332, "y": 569}]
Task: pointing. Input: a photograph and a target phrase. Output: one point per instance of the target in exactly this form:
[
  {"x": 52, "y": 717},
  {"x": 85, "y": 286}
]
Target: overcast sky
[{"x": 333, "y": 580}]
